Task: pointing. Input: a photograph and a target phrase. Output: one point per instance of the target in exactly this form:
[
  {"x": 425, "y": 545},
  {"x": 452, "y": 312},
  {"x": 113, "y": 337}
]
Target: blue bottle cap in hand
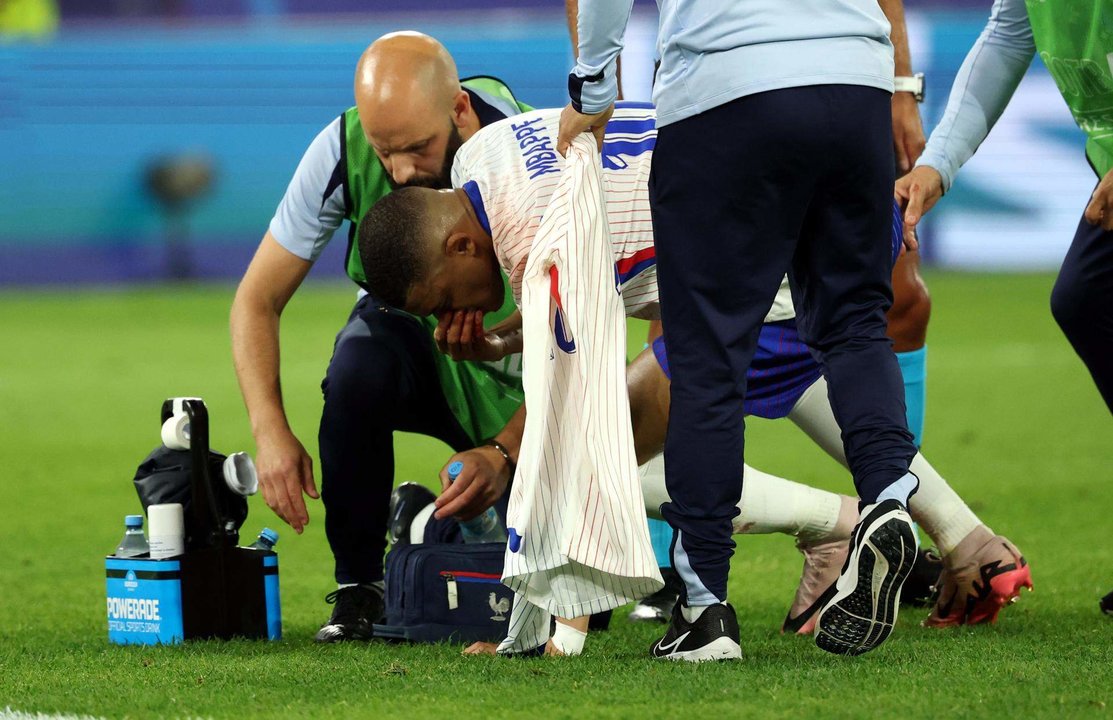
[
  {"x": 133, "y": 521},
  {"x": 455, "y": 469}
]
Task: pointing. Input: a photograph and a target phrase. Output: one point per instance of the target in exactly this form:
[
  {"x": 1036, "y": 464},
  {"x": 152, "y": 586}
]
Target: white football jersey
[{"x": 510, "y": 169}]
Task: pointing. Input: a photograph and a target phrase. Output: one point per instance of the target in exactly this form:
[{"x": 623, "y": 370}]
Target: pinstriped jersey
[{"x": 509, "y": 170}]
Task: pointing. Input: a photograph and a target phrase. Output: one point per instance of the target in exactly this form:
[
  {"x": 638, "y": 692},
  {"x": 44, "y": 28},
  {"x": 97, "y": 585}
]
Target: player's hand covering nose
[
  {"x": 917, "y": 192},
  {"x": 572, "y": 123},
  {"x": 478, "y": 486},
  {"x": 460, "y": 334},
  {"x": 285, "y": 470}
]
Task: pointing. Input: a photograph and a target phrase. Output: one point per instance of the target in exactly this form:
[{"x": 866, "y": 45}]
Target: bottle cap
[
  {"x": 269, "y": 535},
  {"x": 455, "y": 469},
  {"x": 132, "y": 521}
]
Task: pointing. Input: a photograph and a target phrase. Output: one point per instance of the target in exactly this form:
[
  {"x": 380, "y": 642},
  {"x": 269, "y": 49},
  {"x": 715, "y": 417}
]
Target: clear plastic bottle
[
  {"x": 483, "y": 528},
  {"x": 134, "y": 543},
  {"x": 266, "y": 541}
]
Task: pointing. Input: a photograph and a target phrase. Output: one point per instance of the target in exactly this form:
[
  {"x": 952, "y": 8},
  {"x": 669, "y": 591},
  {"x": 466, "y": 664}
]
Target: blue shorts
[{"x": 783, "y": 368}]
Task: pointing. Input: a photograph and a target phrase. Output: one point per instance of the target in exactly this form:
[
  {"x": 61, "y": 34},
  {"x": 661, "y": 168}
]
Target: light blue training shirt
[
  {"x": 715, "y": 51},
  {"x": 983, "y": 87}
]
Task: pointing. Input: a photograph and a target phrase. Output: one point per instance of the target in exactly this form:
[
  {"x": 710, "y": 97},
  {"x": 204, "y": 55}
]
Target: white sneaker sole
[{"x": 722, "y": 648}]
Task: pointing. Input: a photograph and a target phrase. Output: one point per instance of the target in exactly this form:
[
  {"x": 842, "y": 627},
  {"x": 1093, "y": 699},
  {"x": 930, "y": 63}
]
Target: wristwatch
[{"x": 913, "y": 84}]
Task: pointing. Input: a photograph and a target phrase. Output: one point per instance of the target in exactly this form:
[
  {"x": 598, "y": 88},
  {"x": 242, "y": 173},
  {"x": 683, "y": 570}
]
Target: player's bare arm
[
  {"x": 908, "y": 130},
  {"x": 285, "y": 468}
]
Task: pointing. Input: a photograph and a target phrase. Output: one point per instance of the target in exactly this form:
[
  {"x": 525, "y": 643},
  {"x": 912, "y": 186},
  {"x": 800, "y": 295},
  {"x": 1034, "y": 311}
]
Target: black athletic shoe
[
  {"x": 407, "y": 500},
  {"x": 863, "y": 610},
  {"x": 600, "y": 622},
  {"x": 713, "y": 636},
  {"x": 658, "y": 606},
  {"x": 357, "y": 609},
  {"x": 920, "y": 588},
  {"x": 1107, "y": 604}
]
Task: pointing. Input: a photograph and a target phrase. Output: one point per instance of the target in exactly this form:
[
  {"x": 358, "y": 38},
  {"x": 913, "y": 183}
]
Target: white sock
[
  {"x": 693, "y": 612},
  {"x": 567, "y": 639},
  {"x": 772, "y": 504},
  {"x": 935, "y": 507},
  {"x": 938, "y": 509},
  {"x": 769, "y": 504}
]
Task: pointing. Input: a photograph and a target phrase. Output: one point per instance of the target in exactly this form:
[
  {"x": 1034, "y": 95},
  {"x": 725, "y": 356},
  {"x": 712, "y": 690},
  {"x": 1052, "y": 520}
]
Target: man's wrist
[
  {"x": 592, "y": 92},
  {"x": 504, "y": 452},
  {"x": 912, "y": 84}
]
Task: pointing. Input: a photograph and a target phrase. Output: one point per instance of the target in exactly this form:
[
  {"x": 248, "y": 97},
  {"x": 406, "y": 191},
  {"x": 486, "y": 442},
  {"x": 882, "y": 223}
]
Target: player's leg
[
  {"x": 841, "y": 278},
  {"x": 908, "y": 322},
  {"x": 725, "y": 192},
  {"x": 971, "y": 551},
  {"x": 819, "y": 520},
  {"x": 1082, "y": 302},
  {"x": 381, "y": 378}
]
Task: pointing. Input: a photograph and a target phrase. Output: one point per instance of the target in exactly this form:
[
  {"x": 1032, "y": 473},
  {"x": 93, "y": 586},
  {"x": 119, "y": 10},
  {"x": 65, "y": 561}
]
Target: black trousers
[
  {"x": 800, "y": 181},
  {"x": 1082, "y": 302},
  {"x": 381, "y": 378}
]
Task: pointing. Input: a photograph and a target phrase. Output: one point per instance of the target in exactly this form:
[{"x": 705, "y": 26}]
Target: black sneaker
[
  {"x": 658, "y": 606},
  {"x": 713, "y": 636},
  {"x": 1106, "y": 604},
  {"x": 407, "y": 500},
  {"x": 863, "y": 610},
  {"x": 920, "y": 588},
  {"x": 357, "y": 608}
]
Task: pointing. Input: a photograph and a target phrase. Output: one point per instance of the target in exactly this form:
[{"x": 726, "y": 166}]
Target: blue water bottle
[
  {"x": 483, "y": 528},
  {"x": 266, "y": 541}
]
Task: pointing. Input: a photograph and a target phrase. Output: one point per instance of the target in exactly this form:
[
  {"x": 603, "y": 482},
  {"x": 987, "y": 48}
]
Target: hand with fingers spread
[
  {"x": 482, "y": 482},
  {"x": 460, "y": 334},
  {"x": 285, "y": 472},
  {"x": 573, "y": 122},
  {"x": 1100, "y": 209},
  {"x": 917, "y": 192}
]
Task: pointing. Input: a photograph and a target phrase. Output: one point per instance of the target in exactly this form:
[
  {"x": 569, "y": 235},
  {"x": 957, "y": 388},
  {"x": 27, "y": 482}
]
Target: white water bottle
[
  {"x": 483, "y": 528},
  {"x": 167, "y": 524}
]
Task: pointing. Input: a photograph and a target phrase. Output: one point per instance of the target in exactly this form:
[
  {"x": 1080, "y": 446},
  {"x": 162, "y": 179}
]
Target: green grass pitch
[{"x": 1013, "y": 421}]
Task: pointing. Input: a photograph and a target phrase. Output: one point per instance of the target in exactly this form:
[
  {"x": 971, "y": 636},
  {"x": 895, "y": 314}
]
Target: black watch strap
[{"x": 505, "y": 454}]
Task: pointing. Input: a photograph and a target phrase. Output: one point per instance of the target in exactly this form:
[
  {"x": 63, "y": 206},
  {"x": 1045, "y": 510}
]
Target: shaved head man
[
  {"x": 413, "y": 110},
  {"x": 412, "y": 113}
]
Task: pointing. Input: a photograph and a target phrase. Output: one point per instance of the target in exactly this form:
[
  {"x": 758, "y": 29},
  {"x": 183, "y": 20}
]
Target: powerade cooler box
[
  {"x": 217, "y": 593},
  {"x": 214, "y": 589}
]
